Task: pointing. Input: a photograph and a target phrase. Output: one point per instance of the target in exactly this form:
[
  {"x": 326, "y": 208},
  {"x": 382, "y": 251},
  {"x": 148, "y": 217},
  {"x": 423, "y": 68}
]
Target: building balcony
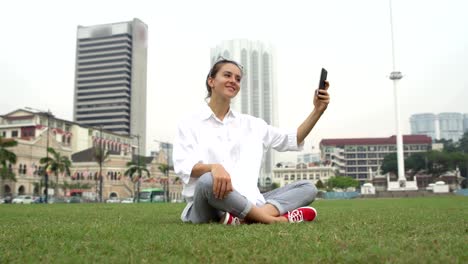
[
  {"x": 124, "y": 39},
  {"x": 83, "y": 86}
]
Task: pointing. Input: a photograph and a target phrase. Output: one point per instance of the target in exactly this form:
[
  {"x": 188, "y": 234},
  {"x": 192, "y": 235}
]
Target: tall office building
[
  {"x": 465, "y": 123},
  {"x": 424, "y": 124},
  {"x": 451, "y": 126},
  {"x": 257, "y": 96},
  {"x": 110, "y": 78}
]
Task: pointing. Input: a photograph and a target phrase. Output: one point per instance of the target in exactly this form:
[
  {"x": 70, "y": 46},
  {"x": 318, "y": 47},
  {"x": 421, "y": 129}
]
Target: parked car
[
  {"x": 127, "y": 200},
  {"x": 113, "y": 200},
  {"x": 52, "y": 200},
  {"x": 75, "y": 199},
  {"x": 6, "y": 199},
  {"x": 37, "y": 200},
  {"x": 23, "y": 199}
]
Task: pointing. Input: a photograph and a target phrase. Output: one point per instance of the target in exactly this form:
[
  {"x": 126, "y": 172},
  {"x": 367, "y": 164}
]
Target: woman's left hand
[{"x": 322, "y": 98}]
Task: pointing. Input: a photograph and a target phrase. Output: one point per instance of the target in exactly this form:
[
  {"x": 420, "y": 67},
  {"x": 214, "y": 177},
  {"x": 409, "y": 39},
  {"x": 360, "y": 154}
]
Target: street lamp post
[
  {"x": 395, "y": 76},
  {"x": 166, "y": 172},
  {"x": 101, "y": 155},
  {"x": 139, "y": 170},
  {"x": 46, "y": 175}
]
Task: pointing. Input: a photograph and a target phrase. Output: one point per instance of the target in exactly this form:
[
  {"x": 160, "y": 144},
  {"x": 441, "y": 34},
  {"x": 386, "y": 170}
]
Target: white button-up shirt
[{"x": 238, "y": 143}]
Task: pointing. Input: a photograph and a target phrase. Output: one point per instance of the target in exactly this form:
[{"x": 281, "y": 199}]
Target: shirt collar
[{"x": 206, "y": 113}]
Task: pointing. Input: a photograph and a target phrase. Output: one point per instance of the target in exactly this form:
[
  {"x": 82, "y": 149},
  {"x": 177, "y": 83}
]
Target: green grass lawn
[{"x": 409, "y": 230}]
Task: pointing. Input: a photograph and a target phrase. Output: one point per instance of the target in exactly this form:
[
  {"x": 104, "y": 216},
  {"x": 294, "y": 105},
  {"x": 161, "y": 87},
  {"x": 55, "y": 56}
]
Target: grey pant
[{"x": 206, "y": 208}]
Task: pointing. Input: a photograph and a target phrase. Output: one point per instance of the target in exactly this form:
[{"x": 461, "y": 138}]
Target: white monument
[{"x": 402, "y": 184}]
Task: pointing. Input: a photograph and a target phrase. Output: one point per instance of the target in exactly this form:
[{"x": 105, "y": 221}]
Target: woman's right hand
[{"x": 222, "y": 185}]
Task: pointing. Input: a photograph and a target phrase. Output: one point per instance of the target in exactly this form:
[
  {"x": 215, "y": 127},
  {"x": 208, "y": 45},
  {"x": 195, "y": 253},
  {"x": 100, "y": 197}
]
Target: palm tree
[
  {"x": 135, "y": 172},
  {"x": 100, "y": 156},
  {"x": 164, "y": 168},
  {"x": 9, "y": 157},
  {"x": 56, "y": 164}
]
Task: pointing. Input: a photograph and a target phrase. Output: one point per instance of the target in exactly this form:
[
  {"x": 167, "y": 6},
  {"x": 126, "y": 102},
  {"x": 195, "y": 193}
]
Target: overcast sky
[{"x": 351, "y": 39}]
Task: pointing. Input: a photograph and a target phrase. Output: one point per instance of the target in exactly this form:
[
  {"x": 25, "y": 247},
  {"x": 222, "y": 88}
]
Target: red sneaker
[
  {"x": 301, "y": 214},
  {"x": 230, "y": 220}
]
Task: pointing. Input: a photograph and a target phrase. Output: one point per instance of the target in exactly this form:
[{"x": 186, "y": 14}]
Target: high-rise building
[
  {"x": 257, "y": 96},
  {"x": 451, "y": 126},
  {"x": 465, "y": 123},
  {"x": 110, "y": 78},
  {"x": 424, "y": 124}
]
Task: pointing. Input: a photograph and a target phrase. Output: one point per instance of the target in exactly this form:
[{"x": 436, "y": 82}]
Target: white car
[
  {"x": 127, "y": 200},
  {"x": 113, "y": 200},
  {"x": 23, "y": 199}
]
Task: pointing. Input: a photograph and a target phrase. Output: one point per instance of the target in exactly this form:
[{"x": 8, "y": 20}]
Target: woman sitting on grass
[{"x": 218, "y": 154}]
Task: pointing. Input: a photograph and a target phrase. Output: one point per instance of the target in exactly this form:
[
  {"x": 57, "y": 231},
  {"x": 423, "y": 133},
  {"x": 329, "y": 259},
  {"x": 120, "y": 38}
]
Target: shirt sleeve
[
  {"x": 185, "y": 154},
  {"x": 281, "y": 139}
]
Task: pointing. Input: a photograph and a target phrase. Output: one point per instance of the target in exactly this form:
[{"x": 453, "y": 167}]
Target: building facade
[
  {"x": 34, "y": 132},
  {"x": 361, "y": 158},
  {"x": 257, "y": 96},
  {"x": 424, "y": 124},
  {"x": 302, "y": 171},
  {"x": 449, "y": 126},
  {"x": 110, "y": 78}
]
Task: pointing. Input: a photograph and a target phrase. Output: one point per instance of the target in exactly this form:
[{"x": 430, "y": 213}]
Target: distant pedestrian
[{"x": 218, "y": 154}]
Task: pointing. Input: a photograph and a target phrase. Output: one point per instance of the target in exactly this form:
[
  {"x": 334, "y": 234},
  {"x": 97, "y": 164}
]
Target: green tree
[
  {"x": 135, "y": 172},
  {"x": 449, "y": 145},
  {"x": 390, "y": 164},
  {"x": 56, "y": 163},
  {"x": 439, "y": 162},
  {"x": 342, "y": 182},
  {"x": 463, "y": 143},
  {"x": 100, "y": 156},
  {"x": 319, "y": 184},
  {"x": 6, "y": 158},
  {"x": 416, "y": 162}
]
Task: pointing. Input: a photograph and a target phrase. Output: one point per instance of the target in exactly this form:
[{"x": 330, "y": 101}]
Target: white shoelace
[
  {"x": 296, "y": 216},
  {"x": 235, "y": 221}
]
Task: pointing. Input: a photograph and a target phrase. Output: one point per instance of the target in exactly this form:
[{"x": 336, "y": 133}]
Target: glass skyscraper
[{"x": 258, "y": 93}]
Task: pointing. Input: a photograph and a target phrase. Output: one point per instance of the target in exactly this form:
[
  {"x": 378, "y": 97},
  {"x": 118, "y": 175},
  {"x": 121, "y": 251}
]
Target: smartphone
[{"x": 323, "y": 78}]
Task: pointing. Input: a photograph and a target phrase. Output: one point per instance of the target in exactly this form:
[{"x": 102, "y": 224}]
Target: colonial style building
[
  {"x": 34, "y": 132},
  {"x": 287, "y": 174}
]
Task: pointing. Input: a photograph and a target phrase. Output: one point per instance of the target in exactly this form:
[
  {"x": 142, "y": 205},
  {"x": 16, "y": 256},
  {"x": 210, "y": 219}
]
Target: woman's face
[{"x": 226, "y": 83}]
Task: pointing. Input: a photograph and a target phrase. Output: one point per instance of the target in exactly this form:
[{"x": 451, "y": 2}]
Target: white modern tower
[
  {"x": 110, "y": 78},
  {"x": 257, "y": 96},
  {"x": 395, "y": 76}
]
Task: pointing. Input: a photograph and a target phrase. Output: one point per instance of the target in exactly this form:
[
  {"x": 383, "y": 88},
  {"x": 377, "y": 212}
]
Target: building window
[
  {"x": 362, "y": 162},
  {"x": 3, "y": 134},
  {"x": 286, "y": 177},
  {"x": 293, "y": 177},
  {"x": 14, "y": 133},
  {"x": 361, "y": 148}
]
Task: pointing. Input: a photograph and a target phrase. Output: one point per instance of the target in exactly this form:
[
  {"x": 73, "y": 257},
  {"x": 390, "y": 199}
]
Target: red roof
[{"x": 407, "y": 139}]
